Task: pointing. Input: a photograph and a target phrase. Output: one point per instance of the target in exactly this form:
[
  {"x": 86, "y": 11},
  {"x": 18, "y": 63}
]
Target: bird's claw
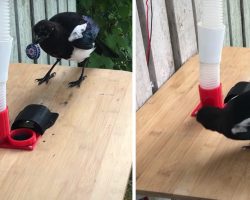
[
  {"x": 46, "y": 78},
  {"x": 77, "y": 83}
]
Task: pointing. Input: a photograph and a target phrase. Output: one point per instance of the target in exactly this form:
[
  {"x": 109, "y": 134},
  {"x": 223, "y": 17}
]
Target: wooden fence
[
  {"x": 174, "y": 38},
  {"x": 26, "y": 13}
]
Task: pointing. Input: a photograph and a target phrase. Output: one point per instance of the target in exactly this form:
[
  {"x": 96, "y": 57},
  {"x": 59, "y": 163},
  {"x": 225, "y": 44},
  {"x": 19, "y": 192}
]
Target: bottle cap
[{"x": 33, "y": 51}]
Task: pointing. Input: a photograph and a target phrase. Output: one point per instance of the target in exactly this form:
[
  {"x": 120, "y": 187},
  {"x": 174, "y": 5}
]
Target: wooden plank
[
  {"x": 143, "y": 84},
  {"x": 78, "y": 158},
  {"x": 62, "y": 7},
  {"x": 51, "y": 8},
  {"x": 235, "y": 24},
  {"x": 24, "y": 25},
  {"x": 14, "y": 54},
  {"x": 182, "y": 30},
  {"x": 176, "y": 156},
  {"x": 246, "y": 14},
  {"x": 39, "y": 14},
  {"x": 161, "y": 65}
]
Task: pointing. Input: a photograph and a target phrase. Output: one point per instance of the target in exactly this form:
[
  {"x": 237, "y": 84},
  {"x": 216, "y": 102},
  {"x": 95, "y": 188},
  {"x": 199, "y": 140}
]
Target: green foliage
[{"x": 115, "y": 21}]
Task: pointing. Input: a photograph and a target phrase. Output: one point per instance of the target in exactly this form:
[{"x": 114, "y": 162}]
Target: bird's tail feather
[{"x": 103, "y": 49}]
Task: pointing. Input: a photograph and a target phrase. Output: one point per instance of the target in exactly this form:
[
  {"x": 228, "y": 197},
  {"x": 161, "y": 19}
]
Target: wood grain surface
[
  {"x": 176, "y": 156},
  {"x": 87, "y": 153}
]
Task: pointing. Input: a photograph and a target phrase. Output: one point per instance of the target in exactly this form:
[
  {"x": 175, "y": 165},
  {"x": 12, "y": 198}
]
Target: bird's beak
[{"x": 37, "y": 39}]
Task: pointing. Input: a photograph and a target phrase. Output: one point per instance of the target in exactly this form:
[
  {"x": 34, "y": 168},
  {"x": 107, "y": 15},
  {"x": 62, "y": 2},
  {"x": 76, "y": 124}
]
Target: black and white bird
[
  {"x": 233, "y": 121},
  {"x": 69, "y": 36}
]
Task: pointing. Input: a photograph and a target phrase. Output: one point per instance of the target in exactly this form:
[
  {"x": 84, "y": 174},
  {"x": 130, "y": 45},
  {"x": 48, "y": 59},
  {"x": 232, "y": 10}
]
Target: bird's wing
[
  {"x": 86, "y": 36},
  {"x": 77, "y": 33},
  {"x": 82, "y": 37},
  {"x": 68, "y": 20},
  {"x": 236, "y": 90},
  {"x": 241, "y": 127}
]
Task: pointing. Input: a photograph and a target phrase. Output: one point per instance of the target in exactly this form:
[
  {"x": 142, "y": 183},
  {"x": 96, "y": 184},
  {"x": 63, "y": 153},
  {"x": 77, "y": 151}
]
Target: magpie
[
  {"x": 69, "y": 36},
  {"x": 233, "y": 121}
]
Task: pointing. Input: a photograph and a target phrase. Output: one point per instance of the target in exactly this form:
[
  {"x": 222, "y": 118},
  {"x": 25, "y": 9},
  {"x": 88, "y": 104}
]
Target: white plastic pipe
[
  {"x": 5, "y": 49},
  {"x": 210, "y": 37}
]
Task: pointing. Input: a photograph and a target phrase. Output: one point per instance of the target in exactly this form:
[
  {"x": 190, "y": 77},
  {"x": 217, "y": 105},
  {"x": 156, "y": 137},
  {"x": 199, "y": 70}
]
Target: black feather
[
  {"x": 68, "y": 20},
  {"x": 58, "y": 38},
  {"x": 103, "y": 49},
  {"x": 224, "y": 120}
]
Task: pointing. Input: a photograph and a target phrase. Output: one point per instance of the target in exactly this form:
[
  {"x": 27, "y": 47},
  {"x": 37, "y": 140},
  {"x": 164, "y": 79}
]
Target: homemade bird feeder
[
  {"x": 34, "y": 119},
  {"x": 210, "y": 38}
]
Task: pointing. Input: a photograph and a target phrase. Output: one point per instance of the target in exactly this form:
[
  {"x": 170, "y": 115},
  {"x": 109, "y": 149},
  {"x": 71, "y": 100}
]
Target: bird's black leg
[
  {"x": 48, "y": 75},
  {"x": 82, "y": 77}
]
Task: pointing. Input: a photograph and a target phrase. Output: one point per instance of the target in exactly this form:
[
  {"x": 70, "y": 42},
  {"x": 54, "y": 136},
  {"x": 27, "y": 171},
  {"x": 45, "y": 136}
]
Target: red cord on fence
[{"x": 148, "y": 34}]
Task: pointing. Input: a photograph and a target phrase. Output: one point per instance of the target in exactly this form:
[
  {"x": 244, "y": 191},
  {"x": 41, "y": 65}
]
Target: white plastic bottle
[
  {"x": 211, "y": 32},
  {"x": 5, "y": 51}
]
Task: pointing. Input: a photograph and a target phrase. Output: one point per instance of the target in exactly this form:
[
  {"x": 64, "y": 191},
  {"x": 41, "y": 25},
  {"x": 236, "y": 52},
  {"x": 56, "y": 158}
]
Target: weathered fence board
[
  {"x": 196, "y": 5},
  {"x": 151, "y": 67},
  {"x": 62, "y": 5},
  {"x": 235, "y": 25},
  {"x": 197, "y": 10},
  {"x": 51, "y": 10},
  {"x": 182, "y": 17},
  {"x": 161, "y": 44},
  {"x": 24, "y": 14},
  {"x": 226, "y": 22},
  {"x": 161, "y": 65},
  {"x": 143, "y": 85},
  {"x": 13, "y": 32},
  {"x": 38, "y": 13},
  {"x": 246, "y": 15},
  {"x": 182, "y": 30},
  {"x": 24, "y": 28},
  {"x": 71, "y": 5}
]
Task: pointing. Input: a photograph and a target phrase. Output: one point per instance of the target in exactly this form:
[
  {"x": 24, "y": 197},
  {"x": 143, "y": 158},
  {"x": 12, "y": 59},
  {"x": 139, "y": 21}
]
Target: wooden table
[
  {"x": 176, "y": 156},
  {"x": 87, "y": 153}
]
